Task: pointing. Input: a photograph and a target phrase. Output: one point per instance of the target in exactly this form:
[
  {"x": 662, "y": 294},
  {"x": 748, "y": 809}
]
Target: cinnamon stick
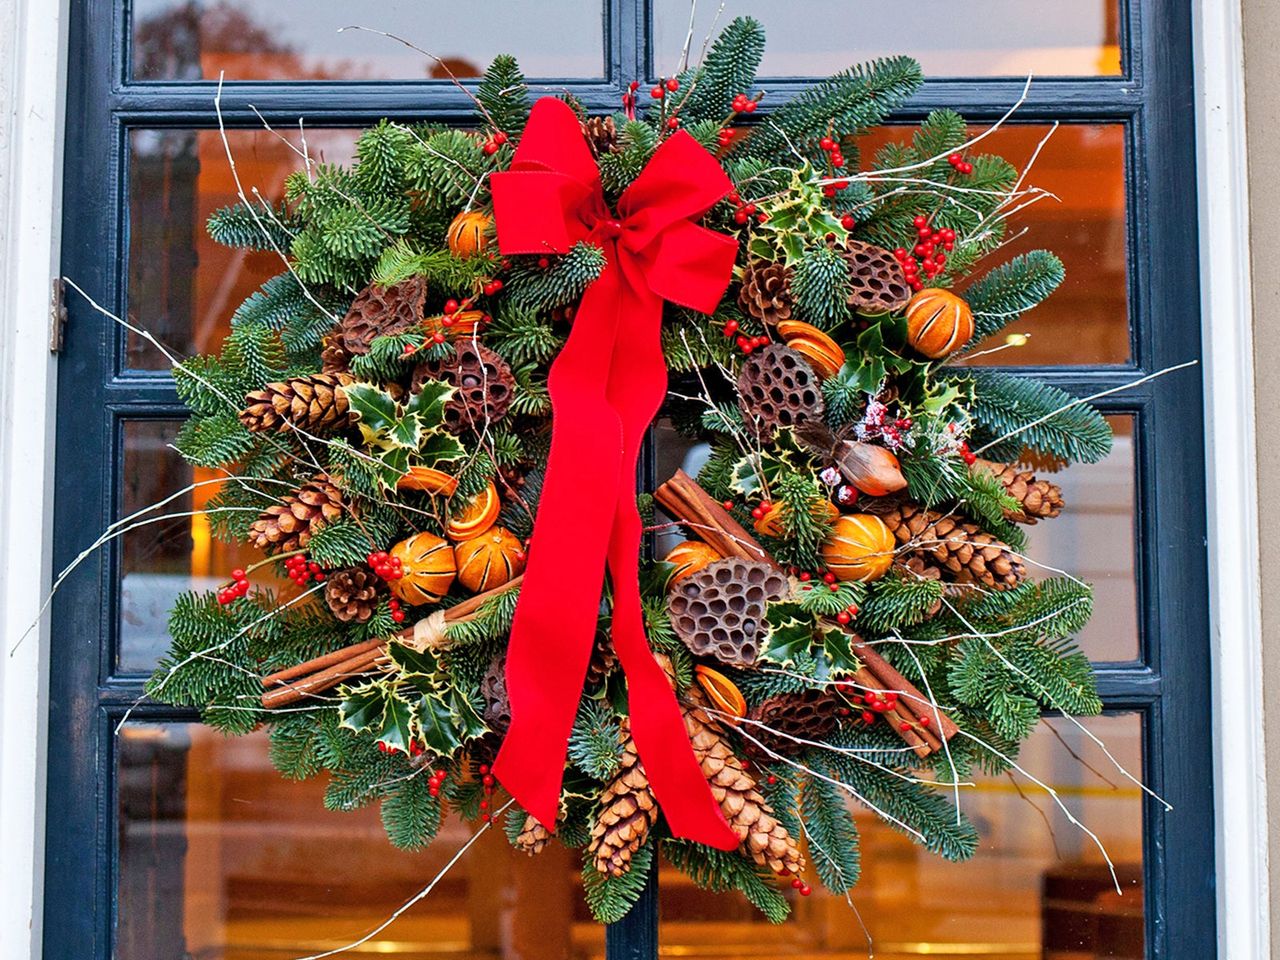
[
  {"x": 320, "y": 663},
  {"x": 893, "y": 680},
  {"x": 707, "y": 519},
  {"x": 330, "y": 677}
]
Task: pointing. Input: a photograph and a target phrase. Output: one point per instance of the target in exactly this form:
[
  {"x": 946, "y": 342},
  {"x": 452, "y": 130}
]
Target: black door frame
[{"x": 1154, "y": 99}]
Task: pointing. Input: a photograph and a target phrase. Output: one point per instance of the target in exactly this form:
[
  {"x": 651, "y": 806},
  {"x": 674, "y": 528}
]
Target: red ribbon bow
[{"x": 606, "y": 386}]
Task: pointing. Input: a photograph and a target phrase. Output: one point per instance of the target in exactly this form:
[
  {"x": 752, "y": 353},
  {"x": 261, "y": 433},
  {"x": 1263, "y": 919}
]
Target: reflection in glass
[
  {"x": 1086, "y": 321},
  {"x": 1038, "y": 888},
  {"x": 304, "y": 39},
  {"x": 222, "y": 859},
  {"x": 183, "y": 287},
  {"x": 1040, "y": 37}
]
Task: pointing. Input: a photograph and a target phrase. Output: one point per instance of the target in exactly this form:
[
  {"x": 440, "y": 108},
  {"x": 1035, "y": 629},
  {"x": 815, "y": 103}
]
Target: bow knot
[{"x": 605, "y": 390}]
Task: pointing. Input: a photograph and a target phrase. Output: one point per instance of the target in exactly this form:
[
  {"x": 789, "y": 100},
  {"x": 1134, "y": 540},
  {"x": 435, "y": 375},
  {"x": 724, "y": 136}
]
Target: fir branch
[
  {"x": 1002, "y": 295},
  {"x": 729, "y": 69},
  {"x": 611, "y": 898},
  {"x": 721, "y": 870},
  {"x": 595, "y": 745}
]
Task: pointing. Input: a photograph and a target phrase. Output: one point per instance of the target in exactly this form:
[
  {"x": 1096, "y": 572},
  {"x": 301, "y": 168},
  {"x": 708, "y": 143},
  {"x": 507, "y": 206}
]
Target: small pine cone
[
  {"x": 962, "y": 550},
  {"x": 766, "y": 291},
  {"x": 483, "y": 383},
  {"x": 764, "y": 839},
  {"x": 533, "y": 836},
  {"x": 601, "y": 134},
  {"x": 628, "y": 812},
  {"x": 809, "y": 714},
  {"x": 291, "y": 524},
  {"x": 877, "y": 283},
  {"x": 603, "y": 658},
  {"x": 333, "y": 355},
  {"x": 778, "y": 388},
  {"x": 352, "y": 594},
  {"x": 719, "y": 611},
  {"x": 314, "y": 404},
  {"x": 1040, "y": 499},
  {"x": 383, "y": 311},
  {"x": 493, "y": 690}
]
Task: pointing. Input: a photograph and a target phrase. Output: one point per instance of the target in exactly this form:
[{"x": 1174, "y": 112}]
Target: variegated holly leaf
[
  {"x": 397, "y": 723},
  {"x": 361, "y": 709},
  {"x": 429, "y": 402},
  {"x": 435, "y": 723},
  {"x": 790, "y": 634},
  {"x": 466, "y": 718}
]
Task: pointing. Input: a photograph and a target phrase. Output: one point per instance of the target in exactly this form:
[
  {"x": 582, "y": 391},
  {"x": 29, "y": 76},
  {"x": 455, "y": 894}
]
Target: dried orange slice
[
  {"x": 429, "y": 479},
  {"x": 721, "y": 691},
  {"x": 824, "y": 354},
  {"x": 690, "y": 557},
  {"x": 476, "y": 517}
]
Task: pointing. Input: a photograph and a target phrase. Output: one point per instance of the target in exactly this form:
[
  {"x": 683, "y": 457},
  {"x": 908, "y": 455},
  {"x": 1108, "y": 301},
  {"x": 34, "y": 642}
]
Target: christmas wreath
[{"x": 476, "y": 623}]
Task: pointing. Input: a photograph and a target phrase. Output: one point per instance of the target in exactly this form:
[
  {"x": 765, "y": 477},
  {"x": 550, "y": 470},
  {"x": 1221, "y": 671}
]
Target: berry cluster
[
  {"x": 396, "y": 613},
  {"x": 237, "y": 588},
  {"x": 966, "y": 454},
  {"x": 300, "y": 569},
  {"x": 660, "y": 89},
  {"x": 827, "y": 577},
  {"x": 416, "y": 748},
  {"x": 953, "y": 442},
  {"x": 960, "y": 164},
  {"x": 744, "y": 104},
  {"x": 488, "y": 782},
  {"x": 743, "y": 212},
  {"x": 831, "y": 146},
  {"x": 760, "y": 509},
  {"x": 876, "y": 424},
  {"x": 436, "y": 782},
  {"x": 494, "y": 142},
  {"x": 745, "y": 344},
  {"x": 931, "y": 249},
  {"x": 385, "y": 565}
]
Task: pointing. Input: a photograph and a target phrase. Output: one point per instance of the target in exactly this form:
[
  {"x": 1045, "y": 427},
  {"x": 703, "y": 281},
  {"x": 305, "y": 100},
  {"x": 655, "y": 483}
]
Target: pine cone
[
  {"x": 809, "y": 714},
  {"x": 383, "y": 311},
  {"x": 533, "y": 836},
  {"x": 1040, "y": 499},
  {"x": 960, "y": 549},
  {"x": 601, "y": 134},
  {"x": 766, "y": 291},
  {"x": 352, "y": 594},
  {"x": 290, "y": 525},
  {"x": 483, "y": 381},
  {"x": 603, "y": 658},
  {"x": 493, "y": 690},
  {"x": 719, "y": 610},
  {"x": 314, "y": 404},
  {"x": 333, "y": 355},
  {"x": 778, "y": 388},
  {"x": 877, "y": 283},
  {"x": 628, "y": 812},
  {"x": 764, "y": 839}
]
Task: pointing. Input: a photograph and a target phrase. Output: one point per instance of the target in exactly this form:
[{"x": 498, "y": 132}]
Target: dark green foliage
[
  {"x": 805, "y": 524},
  {"x": 1017, "y": 412},
  {"x": 897, "y": 602},
  {"x": 260, "y": 227},
  {"x": 534, "y": 289},
  {"x": 294, "y": 749},
  {"x": 503, "y": 96},
  {"x": 405, "y": 259},
  {"x": 366, "y": 775},
  {"x": 215, "y": 440},
  {"x": 636, "y": 141},
  {"x": 595, "y": 746},
  {"x": 853, "y": 100},
  {"x": 447, "y": 169},
  {"x": 523, "y": 337},
  {"x": 386, "y": 359},
  {"x": 720, "y": 871},
  {"x": 832, "y": 835},
  {"x": 729, "y": 69},
  {"x": 610, "y": 898},
  {"x": 694, "y": 341},
  {"x": 410, "y": 815},
  {"x": 1002, "y": 295},
  {"x": 821, "y": 287}
]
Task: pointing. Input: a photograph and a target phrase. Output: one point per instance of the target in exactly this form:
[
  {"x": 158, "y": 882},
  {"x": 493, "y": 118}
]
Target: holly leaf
[
  {"x": 438, "y": 447},
  {"x": 789, "y": 634},
  {"x": 435, "y": 722},
  {"x": 376, "y": 412},
  {"x": 835, "y": 644},
  {"x": 362, "y": 708},
  {"x": 465, "y": 716},
  {"x": 406, "y": 432},
  {"x": 411, "y": 663},
  {"x": 397, "y": 724},
  {"x": 428, "y": 403}
]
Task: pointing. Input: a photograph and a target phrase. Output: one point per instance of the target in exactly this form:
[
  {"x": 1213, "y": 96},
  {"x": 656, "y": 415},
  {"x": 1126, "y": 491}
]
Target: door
[{"x": 165, "y": 840}]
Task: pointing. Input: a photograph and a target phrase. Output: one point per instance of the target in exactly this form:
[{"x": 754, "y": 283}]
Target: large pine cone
[
  {"x": 1040, "y": 499},
  {"x": 764, "y": 839},
  {"x": 379, "y": 311},
  {"x": 778, "y": 388},
  {"x": 719, "y": 610},
  {"x": 314, "y": 404},
  {"x": 291, "y": 524},
  {"x": 483, "y": 382},
  {"x": 533, "y": 836},
  {"x": 601, "y": 134},
  {"x": 766, "y": 291},
  {"x": 809, "y": 714},
  {"x": 493, "y": 690},
  {"x": 628, "y": 812},
  {"x": 960, "y": 549},
  {"x": 877, "y": 283},
  {"x": 352, "y": 594}
]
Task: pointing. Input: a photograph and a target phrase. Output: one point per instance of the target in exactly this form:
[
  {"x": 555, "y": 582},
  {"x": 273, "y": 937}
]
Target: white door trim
[
  {"x": 1240, "y": 787},
  {"x": 33, "y": 46}
]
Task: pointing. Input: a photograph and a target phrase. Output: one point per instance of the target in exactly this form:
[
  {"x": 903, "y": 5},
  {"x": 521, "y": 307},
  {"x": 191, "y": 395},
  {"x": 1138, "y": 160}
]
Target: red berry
[
  {"x": 743, "y": 343},
  {"x": 920, "y": 220},
  {"x": 837, "y": 160},
  {"x": 490, "y": 148},
  {"x": 843, "y": 616},
  {"x": 771, "y": 779},
  {"x": 741, "y": 217},
  {"x": 484, "y": 804},
  {"x": 900, "y": 253},
  {"x": 492, "y": 287},
  {"x": 797, "y": 883},
  {"x": 829, "y": 577},
  {"x": 673, "y": 122},
  {"x": 828, "y": 191},
  {"x": 868, "y": 716},
  {"x": 750, "y": 208},
  {"x": 237, "y": 574},
  {"x": 734, "y": 197},
  {"x": 966, "y": 168},
  {"x": 488, "y": 780},
  {"x": 750, "y": 107},
  {"x": 762, "y": 217},
  {"x": 499, "y": 137},
  {"x": 730, "y": 328},
  {"x": 954, "y": 159},
  {"x": 728, "y": 504},
  {"x": 438, "y": 337},
  {"x": 848, "y": 221},
  {"x": 657, "y": 93},
  {"x": 806, "y": 890},
  {"x": 806, "y": 576},
  {"x": 397, "y": 616},
  {"x": 924, "y": 721},
  {"x": 826, "y": 143},
  {"x": 673, "y": 84},
  {"x": 948, "y": 234},
  {"x": 450, "y": 307}
]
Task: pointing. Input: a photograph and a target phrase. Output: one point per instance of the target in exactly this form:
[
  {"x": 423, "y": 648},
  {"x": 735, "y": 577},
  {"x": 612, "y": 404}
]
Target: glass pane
[
  {"x": 1040, "y": 37},
  {"x": 1086, "y": 321},
  {"x": 222, "y": 859},
  {"x": 1037, "y": 889},
  {"x": 1101, "y": 507},
  {"x": 304, "y": 39},
  {"x": 161, "y": 560},
  {"x": 183, "y": 287}
]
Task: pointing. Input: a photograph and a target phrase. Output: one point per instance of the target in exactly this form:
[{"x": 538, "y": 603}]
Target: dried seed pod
[
  {"x": 778, "y": 388},
  {"x": 482, "y": 381},
  {"x": 781, "y": 720},
  {"x": 493, "y": 691},
  {"x": 379, "y": 311},
  {"x": 877, "y": 283},
  {"x": 719, "y": 611}
]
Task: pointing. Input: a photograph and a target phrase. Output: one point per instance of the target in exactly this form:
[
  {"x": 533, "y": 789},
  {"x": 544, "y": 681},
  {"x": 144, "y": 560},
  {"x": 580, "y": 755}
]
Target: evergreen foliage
[
  {"x": 1003, "y": 294},
  {"x": 831, "y": 834},
  {"x": 610, "y": 898},
  {"x": 503, "y": 96},
  {"x": 821, "y": 287},
  {"x": 729, "y": 69}
]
